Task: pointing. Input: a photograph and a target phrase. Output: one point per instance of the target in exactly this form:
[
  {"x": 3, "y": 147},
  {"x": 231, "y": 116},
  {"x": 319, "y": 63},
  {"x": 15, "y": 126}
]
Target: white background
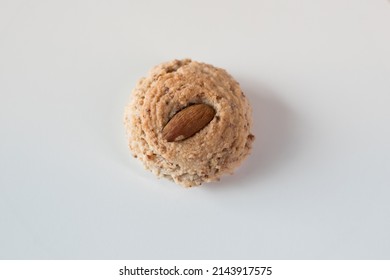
[{"x": 317, "y": 185}]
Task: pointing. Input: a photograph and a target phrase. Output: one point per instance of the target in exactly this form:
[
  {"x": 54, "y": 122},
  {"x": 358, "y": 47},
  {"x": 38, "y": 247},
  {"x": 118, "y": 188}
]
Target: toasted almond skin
[{"x": 188, "y": 122}]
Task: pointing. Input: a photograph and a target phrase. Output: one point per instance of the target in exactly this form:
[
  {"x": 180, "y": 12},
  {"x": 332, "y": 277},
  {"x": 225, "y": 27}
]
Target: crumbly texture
[{"x": 216, "y": 149}]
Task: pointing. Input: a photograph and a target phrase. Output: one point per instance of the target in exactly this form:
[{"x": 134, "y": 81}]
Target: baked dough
[{"x": 216, "y": 149}]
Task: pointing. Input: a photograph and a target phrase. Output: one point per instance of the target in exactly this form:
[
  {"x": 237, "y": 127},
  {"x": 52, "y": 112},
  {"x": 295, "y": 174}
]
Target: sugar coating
[{"x": 216, "y": 149}]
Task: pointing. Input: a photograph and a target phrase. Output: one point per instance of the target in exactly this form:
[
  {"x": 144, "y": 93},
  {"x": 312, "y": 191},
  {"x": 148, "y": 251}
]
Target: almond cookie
[{"x": 189, "y": 122}]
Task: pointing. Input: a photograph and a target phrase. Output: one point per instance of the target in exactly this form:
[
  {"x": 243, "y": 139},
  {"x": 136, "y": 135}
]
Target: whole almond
[{"x": 188, "y": 122}]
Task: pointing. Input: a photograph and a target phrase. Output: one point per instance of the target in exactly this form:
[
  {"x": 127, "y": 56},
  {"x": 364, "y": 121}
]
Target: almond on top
[{"x": 187, "y": 122}]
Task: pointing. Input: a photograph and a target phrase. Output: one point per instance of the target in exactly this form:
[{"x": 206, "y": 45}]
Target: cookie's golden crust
[{"x": 218, "y": 148}]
